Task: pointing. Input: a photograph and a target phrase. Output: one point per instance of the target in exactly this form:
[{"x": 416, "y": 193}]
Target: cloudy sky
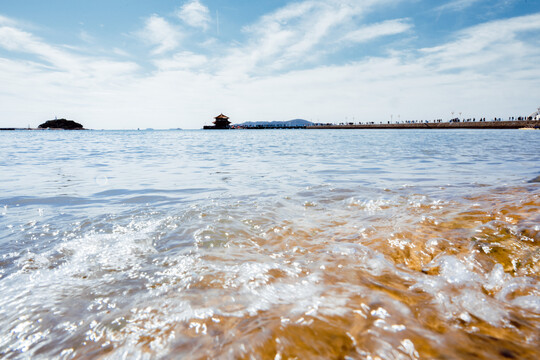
[{"x": 169, "y": 64}]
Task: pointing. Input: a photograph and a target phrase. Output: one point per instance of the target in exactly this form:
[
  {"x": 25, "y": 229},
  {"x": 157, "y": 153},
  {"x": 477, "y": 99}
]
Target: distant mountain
[{"x": 294, "y": 122}]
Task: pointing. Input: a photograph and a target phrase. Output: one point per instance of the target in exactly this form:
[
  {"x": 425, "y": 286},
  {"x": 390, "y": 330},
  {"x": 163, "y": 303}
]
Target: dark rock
[
  {"x": 535, "y": 180},
  {"x": 61, "y": 124}
]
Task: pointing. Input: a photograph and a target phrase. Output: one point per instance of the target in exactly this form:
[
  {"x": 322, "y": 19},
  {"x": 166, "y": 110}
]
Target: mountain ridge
[{"x": 293, "y": 122}]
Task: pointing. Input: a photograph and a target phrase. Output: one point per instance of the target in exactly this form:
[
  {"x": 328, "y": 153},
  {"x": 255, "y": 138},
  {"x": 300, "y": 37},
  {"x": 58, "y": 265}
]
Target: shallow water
[{"x": 270, "y": 244}]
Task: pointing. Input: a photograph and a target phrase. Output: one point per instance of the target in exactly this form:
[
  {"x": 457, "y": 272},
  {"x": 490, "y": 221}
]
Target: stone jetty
[{"x": 494, "y": 124}]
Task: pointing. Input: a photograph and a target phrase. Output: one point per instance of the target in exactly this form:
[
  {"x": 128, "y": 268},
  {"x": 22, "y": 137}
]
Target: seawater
[{"x": 270, "y": 244}]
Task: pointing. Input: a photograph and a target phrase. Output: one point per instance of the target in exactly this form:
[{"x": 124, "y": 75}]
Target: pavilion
[{"x": 221, "y": 122}]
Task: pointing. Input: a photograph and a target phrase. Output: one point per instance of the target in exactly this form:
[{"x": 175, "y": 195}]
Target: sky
[{"x": 128, "y": 64}]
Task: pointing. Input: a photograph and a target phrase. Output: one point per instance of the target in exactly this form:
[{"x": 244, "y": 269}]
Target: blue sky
[{"x": 168, "y": 64}]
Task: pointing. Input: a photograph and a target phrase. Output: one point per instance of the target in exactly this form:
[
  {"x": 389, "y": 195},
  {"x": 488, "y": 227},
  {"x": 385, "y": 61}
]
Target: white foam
[
  {"x": 496, "y": 278},
  {"x": 528, "y": 302},
  {"x": 370, "y": 206},
  {"x": 367, "y": 259},
  {"x": 460, "y": 275},
  {"x": 520, "y": 285},
  {"x": 42, "y": 288},
  {"x": 455, "y": 271},
  {"x": 483, "y": 307}
]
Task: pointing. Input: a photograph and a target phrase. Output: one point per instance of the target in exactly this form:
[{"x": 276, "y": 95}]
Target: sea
[{"x": 270, "y": 244}]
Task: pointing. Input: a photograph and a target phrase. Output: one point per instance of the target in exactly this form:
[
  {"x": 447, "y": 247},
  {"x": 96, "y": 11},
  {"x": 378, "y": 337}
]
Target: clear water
[{"x": 270, "y": 244}]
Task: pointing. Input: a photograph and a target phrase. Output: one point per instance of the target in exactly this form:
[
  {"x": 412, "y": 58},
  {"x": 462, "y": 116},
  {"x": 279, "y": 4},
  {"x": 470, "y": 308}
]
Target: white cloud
[
  {"x": 293, "y": 32},
  {"x": 6, "y": 21},
  {"x": 120, "y": 52},
  {"x": 58, "y": 59},
  {"x": 182, "y": 61},
  {"x": 457, "y": 5},
  {"x": 157, "y": 31},
  {"x": 303, "y": 32},
  {"x": 496, "y": 43},
  {"x": 373, "y": 31},
  {"x": 16, "y": 40},
  {"x": 195, "y": 14},
  {"x": 416, "y": 85},
  {"x": 86, "y": 37},
  {"x": 486, "y": 70}
]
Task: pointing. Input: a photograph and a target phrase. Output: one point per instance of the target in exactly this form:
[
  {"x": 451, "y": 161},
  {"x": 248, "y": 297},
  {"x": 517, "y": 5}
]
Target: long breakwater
[
  {"x": 515, "y": 124},
  {"x": 438, "y": 124}
]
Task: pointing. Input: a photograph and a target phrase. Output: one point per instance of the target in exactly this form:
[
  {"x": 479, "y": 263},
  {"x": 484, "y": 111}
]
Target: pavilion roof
[{"x": 221, "y": 116}]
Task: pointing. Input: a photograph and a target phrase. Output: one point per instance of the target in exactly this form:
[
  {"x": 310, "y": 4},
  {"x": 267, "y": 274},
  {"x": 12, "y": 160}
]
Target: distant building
[{"x": 221, "y": 122}]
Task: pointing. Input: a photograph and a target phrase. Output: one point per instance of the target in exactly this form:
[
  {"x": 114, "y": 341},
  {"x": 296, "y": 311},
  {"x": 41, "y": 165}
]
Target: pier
[
  {"x": 453, "y": 124},
  {"x": 495, "y": 124}
]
